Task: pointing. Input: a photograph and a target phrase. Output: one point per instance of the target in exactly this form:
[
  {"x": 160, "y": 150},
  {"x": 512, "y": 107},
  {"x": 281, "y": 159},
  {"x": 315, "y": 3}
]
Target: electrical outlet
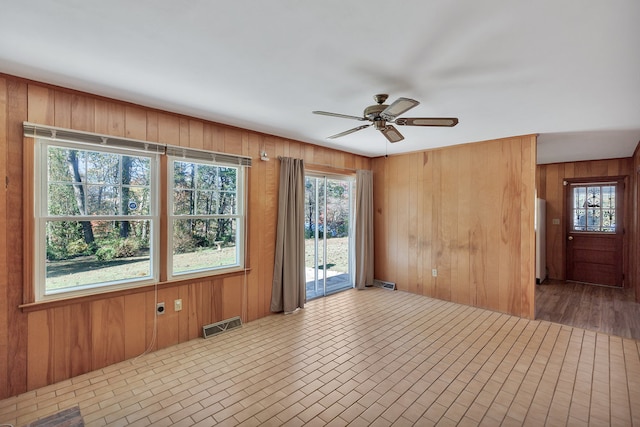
[
  {"x": 160, "y": 308},
  {"x": 177, "y": 305},
  {"x": 434, "y": 272}
]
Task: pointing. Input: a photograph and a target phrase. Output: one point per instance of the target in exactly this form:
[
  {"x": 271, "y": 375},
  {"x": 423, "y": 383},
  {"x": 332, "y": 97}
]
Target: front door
[{"x": 595, "y": 232}]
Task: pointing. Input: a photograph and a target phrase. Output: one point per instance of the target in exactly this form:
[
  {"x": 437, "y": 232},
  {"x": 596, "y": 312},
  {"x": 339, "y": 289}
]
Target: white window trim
[{"x": 41, "y": 217}]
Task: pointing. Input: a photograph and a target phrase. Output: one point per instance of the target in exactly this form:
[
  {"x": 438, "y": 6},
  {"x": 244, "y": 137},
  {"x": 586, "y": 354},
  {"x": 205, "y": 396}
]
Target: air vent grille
[
  {"x": 383, "y": 284},
  {"x": 219, "y": 327}
]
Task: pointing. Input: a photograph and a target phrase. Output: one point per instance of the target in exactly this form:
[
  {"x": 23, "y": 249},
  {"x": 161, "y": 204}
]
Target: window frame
[
  {"x": 239, "y": 216},
  {"x": 33, "y": 168},
  {"x": 601, "y": 210},
  {"x": 41, "y": 217}
]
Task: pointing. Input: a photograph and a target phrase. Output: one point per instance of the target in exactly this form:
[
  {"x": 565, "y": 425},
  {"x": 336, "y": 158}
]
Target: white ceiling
[{"x": 568, "y": 70}]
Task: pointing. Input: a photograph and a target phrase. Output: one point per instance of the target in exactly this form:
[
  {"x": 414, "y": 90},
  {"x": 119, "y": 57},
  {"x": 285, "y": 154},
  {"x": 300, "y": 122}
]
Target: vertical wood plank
[
  {"x": 527, "y": 226},
  {"x": 232, "y": 141},
  {"x": 184, "y": 132},
  {"x": 168, "y": 129},
  {"x": 135, "y": 123},
  {"x": 61, "y": 332},
  {"x": 461, "y": 289},
  {"x": 183, "y": 315},
  {"x": 80, "y": 343},
  {"x": 4, "y": 246},
  {"x": 402, "y": 241},
  {"x": 510, "y": 238},
  {"x": 40, "y": 354},
  {"x": 83, "y": 113},
  {"x": 135, "y": 308},
  {"x": 17, "y": 326},
  {"x": 196, "y": 134},
  {"x": 168, "y": 332},
  {"x": 62, "y": 109},
  {"x": 231, "y": 294},
  {"x": 426, "y": 213},
  {"x": 109, "y": 118},
  {"x": 392, "y": 221},
  {"x": 41, "y": 105},
  {"x": 107, "y": 331}
]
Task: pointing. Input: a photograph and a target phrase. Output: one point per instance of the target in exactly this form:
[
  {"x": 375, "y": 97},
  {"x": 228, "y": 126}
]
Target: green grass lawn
[{"x": 89, "y": 270}]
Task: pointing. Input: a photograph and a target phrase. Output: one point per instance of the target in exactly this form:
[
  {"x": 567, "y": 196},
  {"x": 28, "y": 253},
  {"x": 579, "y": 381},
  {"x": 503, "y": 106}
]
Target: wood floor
[
  {"x": 372, "y": 357},
  {"x": 598, "y": 308}
]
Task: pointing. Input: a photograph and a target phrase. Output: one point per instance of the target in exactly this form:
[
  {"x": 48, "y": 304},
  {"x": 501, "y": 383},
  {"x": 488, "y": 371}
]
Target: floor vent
[
  {"x": 219, "y": 327},
  {"x": 386, "y": 285}
]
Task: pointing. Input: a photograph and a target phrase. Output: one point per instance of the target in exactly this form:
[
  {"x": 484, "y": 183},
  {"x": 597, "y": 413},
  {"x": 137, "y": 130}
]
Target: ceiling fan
[{"x": 381, "y": 115}]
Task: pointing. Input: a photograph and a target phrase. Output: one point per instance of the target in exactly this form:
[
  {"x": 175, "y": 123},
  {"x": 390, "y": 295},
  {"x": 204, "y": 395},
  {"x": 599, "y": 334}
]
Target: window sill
[{"x": 61, "y": 302}]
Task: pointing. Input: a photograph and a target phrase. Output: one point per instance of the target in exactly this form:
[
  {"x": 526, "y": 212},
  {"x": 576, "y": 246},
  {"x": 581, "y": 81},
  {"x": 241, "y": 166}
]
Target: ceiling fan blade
[
  {"x": 399, "y": 106},
  {"x": 392, "y": 134},
  {"x": 427, "y": 121},
  {"x": 347, "y": 132},
  {"x": 344, "y": 116}
]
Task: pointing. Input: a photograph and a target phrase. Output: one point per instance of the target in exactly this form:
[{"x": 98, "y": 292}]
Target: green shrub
[
  {"x": 56, "y": 253},
  {"x": 106, "y": 253},
  {"x": 126, "y": 248},
  {"x": 78, "y": 247}
]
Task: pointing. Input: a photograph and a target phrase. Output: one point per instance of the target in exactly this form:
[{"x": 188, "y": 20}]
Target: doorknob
[{"x": 570, "y": 237}]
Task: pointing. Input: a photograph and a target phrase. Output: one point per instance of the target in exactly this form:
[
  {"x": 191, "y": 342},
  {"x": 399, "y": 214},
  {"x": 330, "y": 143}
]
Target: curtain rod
[{"x": 325, "y": 166}]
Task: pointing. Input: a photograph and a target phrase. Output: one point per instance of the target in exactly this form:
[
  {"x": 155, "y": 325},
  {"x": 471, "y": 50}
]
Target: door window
[{"x": 594, "y": 207}]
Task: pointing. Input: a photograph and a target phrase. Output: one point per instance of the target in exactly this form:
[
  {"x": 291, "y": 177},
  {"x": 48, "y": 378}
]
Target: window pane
[
  {"x": 58, "y": 167},
  {"x": 593, "y": 219},
  {"x": 136, "y": 200},
  {"x": 609, "y": 197},
  {"x": 609, "y": 221},
  {"x": 579, "y": 220},
  {"x": 62, "y": 200},
  {"x": 183, "y": 175},
  {"x": 593, "y": 197},
  {"x": 102, "y": 200},
  {"x": 183, "y": 202},
  {"x": 103, "y": 168},
  {"x": 82, "y": 254},
  {"x": 203, "y": 244},
  {"x": 208, "y": 177},
  {"x": 228, "y": 179},
  {"x": 207, "y": 203},
  {"x": 579, "y": 197},
  {"x": 139, "y": 170}
]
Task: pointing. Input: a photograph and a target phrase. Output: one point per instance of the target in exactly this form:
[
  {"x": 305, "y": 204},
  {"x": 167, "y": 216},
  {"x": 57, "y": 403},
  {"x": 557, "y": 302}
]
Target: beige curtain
[
  {"x": 364, "y": 229},
  {"x": 288, "y": 291}
]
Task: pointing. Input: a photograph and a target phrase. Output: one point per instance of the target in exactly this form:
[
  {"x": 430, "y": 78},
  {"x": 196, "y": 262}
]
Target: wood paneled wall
[
  {"x": 53, "y": 342},
  {"x": 549, "y": 183},
  {"x": 467, "y": 211}
]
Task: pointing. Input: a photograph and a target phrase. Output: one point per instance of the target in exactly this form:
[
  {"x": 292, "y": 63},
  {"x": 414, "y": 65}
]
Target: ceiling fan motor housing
[{"x": 372, "y": 112}]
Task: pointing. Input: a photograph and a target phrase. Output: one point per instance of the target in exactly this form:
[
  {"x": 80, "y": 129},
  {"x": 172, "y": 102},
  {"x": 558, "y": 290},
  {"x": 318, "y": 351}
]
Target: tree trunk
[
  {"x": 78, "y": 190},
  {"x": 126, "y": 180}
]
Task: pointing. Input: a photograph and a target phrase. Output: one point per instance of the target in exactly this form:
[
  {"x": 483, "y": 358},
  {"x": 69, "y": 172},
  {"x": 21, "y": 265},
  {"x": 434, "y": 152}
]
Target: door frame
[
  {"x": 351, "y": 246},
  {"x": 621, "y": 184}
]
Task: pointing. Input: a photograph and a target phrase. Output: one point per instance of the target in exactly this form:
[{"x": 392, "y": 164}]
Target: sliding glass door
[{"x": 328, "y": 219}]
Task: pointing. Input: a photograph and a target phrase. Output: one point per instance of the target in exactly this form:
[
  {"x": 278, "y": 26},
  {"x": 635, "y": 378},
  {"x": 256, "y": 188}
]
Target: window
[
  {"x": 98, "y": 210},
  {"x": 96, "y": 218},
  {"x": 594, "y": 207},
  {"x": 206, "y": 217}
]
